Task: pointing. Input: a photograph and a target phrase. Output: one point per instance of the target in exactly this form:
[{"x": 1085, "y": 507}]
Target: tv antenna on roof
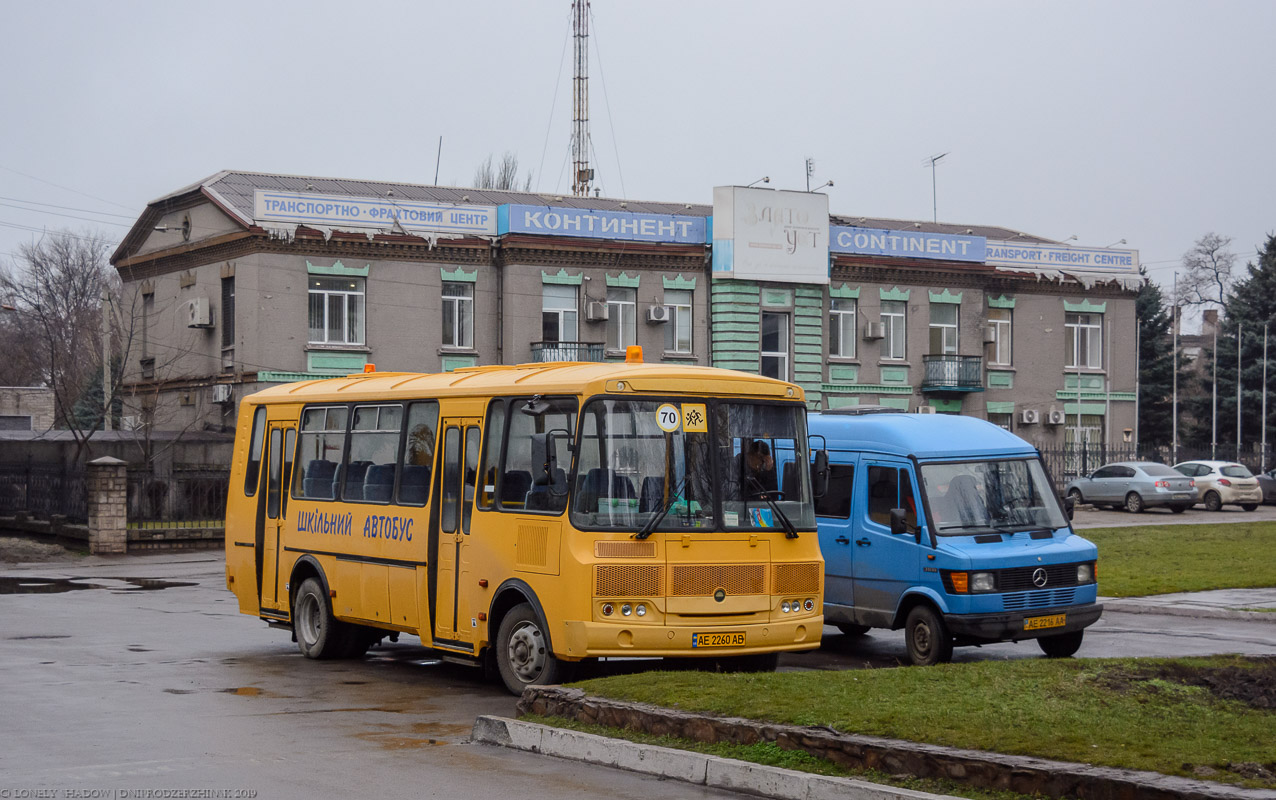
[{"x": 934, "y": 196}]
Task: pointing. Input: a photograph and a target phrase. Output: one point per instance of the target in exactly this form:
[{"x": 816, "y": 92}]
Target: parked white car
[{"x": 1223, "y": 483}]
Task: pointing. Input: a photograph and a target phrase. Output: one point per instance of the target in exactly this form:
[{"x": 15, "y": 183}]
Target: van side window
[
  {"x": 491, "y": 461},
  {"x": 906, "y": 499},
  {"x": 418, "y": 453},
  {"x": 320, "y": 448},
  {"x": 836, "y": 502},
  {"x": 253, "y": 472},
  {"x": 368, "y": 474},
  {"x": 883, "y": 492}
]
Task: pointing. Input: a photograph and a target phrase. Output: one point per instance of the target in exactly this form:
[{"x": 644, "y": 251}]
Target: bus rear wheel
[
  {"x": 319, "y": 634},
  {"x": 523, "y": 654}
]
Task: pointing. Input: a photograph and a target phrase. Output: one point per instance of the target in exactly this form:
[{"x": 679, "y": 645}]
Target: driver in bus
[{"x": 758, "y": 469}]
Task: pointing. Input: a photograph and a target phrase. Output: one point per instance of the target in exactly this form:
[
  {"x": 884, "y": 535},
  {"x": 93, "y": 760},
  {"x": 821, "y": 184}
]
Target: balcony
[
  {"x": 953, "y": 374},
  {"x": 545, "y": 352}
]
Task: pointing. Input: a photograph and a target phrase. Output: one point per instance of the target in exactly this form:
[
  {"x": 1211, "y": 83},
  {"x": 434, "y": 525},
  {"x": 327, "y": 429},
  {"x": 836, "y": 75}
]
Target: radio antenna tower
[{"x": 583, "y": 175}]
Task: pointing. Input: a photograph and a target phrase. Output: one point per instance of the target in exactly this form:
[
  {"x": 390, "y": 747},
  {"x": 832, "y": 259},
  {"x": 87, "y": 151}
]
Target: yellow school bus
[{"x": 523, "y": 518}]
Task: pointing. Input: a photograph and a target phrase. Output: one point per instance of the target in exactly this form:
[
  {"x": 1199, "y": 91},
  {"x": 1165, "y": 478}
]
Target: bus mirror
[
  {"x": 545, "y": 453},
  {"x": 820, "y": 473},
  {"x": 899, "y": 520}
]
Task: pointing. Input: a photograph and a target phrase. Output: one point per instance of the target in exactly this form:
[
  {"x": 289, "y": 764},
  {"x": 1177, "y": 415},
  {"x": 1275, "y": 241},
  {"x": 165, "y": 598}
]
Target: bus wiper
[
  {"x": 655, "y": 521},
  {"x": 790, "y": 532}
]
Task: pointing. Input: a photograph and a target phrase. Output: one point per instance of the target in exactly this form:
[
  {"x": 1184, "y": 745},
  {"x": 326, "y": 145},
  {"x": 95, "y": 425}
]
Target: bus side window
[
  {"x": 253, "y": 472},
  {"x": 418, "y": 453},
  {"x": 491, "y": 461},
  {"x": 373, "y": 457},
  {"x": 451, "y": 467},
  {"x": 471, "y": 475},
  {"x": 883, "y": 493},
  {"x": 559, "y": 414},
  {"x": 320, "y": 448},
  {"x": 836, "y": 502}
]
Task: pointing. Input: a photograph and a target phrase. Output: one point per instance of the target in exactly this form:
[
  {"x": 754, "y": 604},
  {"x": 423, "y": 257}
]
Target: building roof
[
  {"x": 920, "y": 435},
  {"x": 233, "y": 191}
]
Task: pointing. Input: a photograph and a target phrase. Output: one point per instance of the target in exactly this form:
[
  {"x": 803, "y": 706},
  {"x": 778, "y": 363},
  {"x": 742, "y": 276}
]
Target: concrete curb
[
  {"x": 681, "y": 765},
  {"x": 1141, "y": 606}
]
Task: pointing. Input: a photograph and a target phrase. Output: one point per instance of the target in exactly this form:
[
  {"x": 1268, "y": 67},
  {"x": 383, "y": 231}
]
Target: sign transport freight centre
[{"x": 343, "y": 211}]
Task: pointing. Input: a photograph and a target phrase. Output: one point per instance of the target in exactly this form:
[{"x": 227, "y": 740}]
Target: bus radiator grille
[
  {"x": 628, "y": 580},
  {"x": 1019, "y": 601},
  {"x": 702, "y": 580},
  {"x": 796, "y": 578},
  {"x": 531, "y": 545}
]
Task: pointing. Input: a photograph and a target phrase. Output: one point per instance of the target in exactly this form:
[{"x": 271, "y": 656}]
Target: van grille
[
  {"x": 1019, "y": 601},
  {"x": 1018, "y": 579},
  {"x": 628, "y": 580},
  {"x": 700, "y": 580},
  {"x": 796, "y": 578}
]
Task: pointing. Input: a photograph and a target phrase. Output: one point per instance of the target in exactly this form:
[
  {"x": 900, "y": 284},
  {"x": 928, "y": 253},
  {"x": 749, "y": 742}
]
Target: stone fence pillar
[{"x": 108, "y": 505}]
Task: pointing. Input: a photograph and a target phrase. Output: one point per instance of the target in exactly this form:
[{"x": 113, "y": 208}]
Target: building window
[
  {"x": 943, "y": 329},
  {"x": 999, "y": 319},
  {"x": 458, "y": 314},
  {"x": 1002, "y": 420},
  {"x": 775, "y": 345},
  {"x": 895, "y": 345},
  {"x": 558, "y": 313},
  {"x": 678, "y": 329},
  {"x": 336, "y": 310},
  {"x": 1084, "y": 340},
  {"x": 622, "y": 309},
  {"x": 842, "y": 316},
  {"x": 228, "y": 311}
]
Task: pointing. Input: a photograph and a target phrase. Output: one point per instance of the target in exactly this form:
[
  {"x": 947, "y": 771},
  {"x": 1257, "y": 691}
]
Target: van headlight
[
  {"x": 1085, "y": 573},
  {"x": 982, "y": 582}
]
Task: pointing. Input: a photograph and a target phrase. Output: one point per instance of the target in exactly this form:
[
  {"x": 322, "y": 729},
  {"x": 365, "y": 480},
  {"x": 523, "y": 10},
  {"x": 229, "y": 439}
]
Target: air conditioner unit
[
  {"x": 875, "y": 330},
  {"x": 596, "y": 312},
  {"x": 926, "y": 410},
  {"x": 1030, "y": 416},
  {"x": 222, "y": 393},
  {"x": 1055, "y": 418},
  {"x": 658, "y": 314},
  {"x": 198, "y": 314},
  {"x": 990, "y": 334}
]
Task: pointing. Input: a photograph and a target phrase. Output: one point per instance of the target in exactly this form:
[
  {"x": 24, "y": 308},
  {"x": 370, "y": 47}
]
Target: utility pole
[
  {"x": 810, "y": 170},
  {"x": 106, "y": 360},
  {"x": 1174, "y": 415},
  {"x": 1262, "y": 466},
  {"x": 1138, "y": 363},
  {"x": 583, "y": 176},
  {"x": 1238, "y": 391},
  {"x": 1214, "y": 401}
]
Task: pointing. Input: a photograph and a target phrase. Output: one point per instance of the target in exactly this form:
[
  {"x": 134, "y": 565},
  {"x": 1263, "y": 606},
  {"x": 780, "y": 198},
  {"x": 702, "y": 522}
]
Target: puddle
[
  {"x": 57, "y": 585},
  {"x": 243, "y": 691},
  {"x": 138, "y": 649},
  {"x": 40, "y": 636},
  {"x": 180, "y": 691}
]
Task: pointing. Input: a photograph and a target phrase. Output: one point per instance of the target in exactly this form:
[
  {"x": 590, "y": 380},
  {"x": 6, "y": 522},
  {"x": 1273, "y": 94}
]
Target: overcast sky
[{"x": 1146, "y": 121}]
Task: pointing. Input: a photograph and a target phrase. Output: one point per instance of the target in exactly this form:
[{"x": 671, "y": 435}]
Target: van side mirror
[
  {"x": 820, "y": 474},
  {"x": 899, "y": 520},
  {"x": 1069, "y": 506}
]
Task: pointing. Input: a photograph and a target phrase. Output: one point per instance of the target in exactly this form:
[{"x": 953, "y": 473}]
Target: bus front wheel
[
  {"x": 523, "y": 655},
  {"x": 319, "y": 634},
  {"x": 927, "y": 637}
]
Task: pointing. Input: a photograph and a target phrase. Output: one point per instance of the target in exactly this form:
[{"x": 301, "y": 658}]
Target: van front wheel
[
  {"x": 1061, "y": 645},
  {"x": 928, "y": 640}
]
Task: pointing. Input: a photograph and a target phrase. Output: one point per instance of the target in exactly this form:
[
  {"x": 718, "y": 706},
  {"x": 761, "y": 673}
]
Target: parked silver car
[
  {"x": 1135, "y": 485},
  {"x": 1224, "y": 483}
]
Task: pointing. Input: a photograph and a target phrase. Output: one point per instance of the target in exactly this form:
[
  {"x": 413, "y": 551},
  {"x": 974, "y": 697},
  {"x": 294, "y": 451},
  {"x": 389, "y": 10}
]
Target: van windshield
[{"x": 984, "y": 496}]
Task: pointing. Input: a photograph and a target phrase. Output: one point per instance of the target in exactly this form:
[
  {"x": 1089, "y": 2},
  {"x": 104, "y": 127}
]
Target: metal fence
[
  {"x": 1071, "y": 461},
  {"x": 185, "y": 497},
  {"x": 43, "y": 490}
]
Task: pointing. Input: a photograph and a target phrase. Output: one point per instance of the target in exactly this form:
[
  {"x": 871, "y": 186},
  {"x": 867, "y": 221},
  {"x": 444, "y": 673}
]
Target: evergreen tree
[
  {"x": 1156, "y": 365},
  {"x": 1251, "y": 306}
]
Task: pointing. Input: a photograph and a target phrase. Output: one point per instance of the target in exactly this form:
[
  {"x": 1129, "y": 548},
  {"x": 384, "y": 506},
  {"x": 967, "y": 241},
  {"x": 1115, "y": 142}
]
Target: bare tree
[
  {"x": 56, "y": 287},
  {"x": 1206, "y": 275},
  {"x": 501, "y": 176}
]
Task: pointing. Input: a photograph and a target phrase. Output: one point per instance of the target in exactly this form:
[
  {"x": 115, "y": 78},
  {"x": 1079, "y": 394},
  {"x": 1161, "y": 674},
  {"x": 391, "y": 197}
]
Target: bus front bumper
[
  {"x": 599, "y": 639},
  {"x": 1023, "y": 624}
]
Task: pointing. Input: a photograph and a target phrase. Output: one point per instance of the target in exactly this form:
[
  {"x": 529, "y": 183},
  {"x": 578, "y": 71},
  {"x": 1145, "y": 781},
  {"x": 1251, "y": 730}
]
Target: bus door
[
  {"x": 272, "y": 511},
  {"x": 458, "y": 475}
]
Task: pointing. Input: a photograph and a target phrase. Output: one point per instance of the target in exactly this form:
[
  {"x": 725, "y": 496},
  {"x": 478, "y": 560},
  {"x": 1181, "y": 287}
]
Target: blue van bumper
[{"x": 1011, "y": 624}]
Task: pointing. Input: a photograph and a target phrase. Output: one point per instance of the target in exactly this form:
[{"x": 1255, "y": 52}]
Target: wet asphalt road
[{"x": 131, "y": 686}]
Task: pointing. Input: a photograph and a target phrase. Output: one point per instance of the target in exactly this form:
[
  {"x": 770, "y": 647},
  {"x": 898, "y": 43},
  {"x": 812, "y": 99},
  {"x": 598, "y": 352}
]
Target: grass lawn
[
  {"x": 1165, "y": 715},
  {"x": 1162, "y": 559}
]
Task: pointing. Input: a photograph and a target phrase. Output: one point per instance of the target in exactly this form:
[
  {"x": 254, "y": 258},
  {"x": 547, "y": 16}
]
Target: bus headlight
[
  {"x": 641, "y": 610},
  {"x": 785, "y": 606},
  {"x": 626, "y": 609},
  {"x": 1085, "y": 573},
  {"x": 982, "y": 582}
]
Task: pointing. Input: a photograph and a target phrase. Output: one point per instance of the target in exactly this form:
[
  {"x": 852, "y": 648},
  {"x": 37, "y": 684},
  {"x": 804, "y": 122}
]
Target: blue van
[{"x": 949, "y": 528}]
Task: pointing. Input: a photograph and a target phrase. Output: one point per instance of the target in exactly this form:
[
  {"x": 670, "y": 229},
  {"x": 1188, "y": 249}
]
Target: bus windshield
[
  {"x": 984, "y": 496},
  {"x": 641, "y": 458}
]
